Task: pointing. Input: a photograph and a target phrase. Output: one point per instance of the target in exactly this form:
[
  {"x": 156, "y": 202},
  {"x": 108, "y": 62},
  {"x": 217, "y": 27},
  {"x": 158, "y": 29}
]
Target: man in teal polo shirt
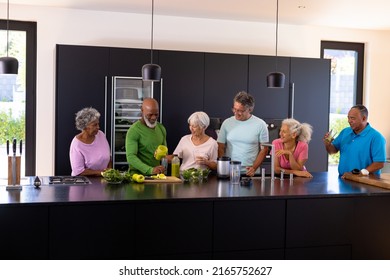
[{"x": 361, "y": 146}]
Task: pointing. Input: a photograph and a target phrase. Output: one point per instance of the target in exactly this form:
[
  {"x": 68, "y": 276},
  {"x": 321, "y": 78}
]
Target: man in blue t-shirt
[
  {"x": 361, "y": 146},
  {"x": 241, "y": 135}
]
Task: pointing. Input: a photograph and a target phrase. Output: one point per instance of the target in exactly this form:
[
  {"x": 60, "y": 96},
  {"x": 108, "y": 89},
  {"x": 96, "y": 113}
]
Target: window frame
[
  {"x": 31, "y": 62},
  {"x": 350, "y": 46}
]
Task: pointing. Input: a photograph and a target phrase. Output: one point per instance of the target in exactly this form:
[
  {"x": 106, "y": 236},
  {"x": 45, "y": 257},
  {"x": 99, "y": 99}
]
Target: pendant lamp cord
[
  {"x": 151, "y": 41},
  {"x": 7, "y": 26},
  {"x": 276, "y": 34}
]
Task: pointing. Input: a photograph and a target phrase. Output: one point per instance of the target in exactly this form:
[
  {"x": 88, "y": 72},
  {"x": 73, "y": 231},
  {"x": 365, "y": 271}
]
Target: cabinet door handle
[
  {"x": 105, "y": 104},
  {"x": 292, "y": 100}
]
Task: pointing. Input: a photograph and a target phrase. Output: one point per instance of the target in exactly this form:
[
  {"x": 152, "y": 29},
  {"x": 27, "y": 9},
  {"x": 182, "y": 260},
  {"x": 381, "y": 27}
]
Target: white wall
[{"x": 79, "y": 27}]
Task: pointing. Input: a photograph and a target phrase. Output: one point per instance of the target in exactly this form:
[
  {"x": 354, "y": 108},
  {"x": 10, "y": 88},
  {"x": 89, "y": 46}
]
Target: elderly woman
[
  {"x": 89, "y": 151},
  {"x": 291, "y": 149},
  {"x": 197, "y": 149}
]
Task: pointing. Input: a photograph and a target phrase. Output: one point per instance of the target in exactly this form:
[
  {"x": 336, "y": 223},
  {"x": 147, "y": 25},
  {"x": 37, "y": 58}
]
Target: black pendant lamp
[
  {"x": 151, "y": 71},
  {"x": 276, "y": 79},
  {"x": 8, "y": 65}
]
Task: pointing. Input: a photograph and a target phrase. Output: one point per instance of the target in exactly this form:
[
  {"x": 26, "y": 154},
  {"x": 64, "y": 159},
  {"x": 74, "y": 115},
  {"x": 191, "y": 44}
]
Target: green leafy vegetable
[
  {"x": 195, "y": 174},
  {"x": 112, "y": 176}
]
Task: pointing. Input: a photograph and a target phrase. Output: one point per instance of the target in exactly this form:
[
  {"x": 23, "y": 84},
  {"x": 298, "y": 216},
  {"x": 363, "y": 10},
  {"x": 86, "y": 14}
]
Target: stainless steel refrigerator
[{"x": 127, "y": 94}]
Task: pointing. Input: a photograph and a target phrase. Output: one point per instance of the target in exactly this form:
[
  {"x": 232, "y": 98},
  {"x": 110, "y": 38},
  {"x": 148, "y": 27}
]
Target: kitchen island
[{"x": 320, "y": 218}]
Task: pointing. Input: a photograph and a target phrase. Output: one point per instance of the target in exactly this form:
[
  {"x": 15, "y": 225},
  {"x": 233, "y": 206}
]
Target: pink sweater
[{"x": 95, "y": 156}]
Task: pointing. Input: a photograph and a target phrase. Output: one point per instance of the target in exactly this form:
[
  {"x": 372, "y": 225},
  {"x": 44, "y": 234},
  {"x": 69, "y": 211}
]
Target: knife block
[{"x": 11, "y": 171}]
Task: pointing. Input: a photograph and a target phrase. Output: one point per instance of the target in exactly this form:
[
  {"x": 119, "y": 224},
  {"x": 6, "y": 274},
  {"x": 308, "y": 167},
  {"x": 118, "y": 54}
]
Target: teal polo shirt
[{"x": 360, "y": 150}]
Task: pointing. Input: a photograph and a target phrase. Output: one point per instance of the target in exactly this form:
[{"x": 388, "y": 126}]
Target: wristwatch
[{"x": 364, "y": 172}]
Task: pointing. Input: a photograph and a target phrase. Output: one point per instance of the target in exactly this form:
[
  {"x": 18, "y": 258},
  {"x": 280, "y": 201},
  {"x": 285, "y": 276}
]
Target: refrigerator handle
[
  {"x": 161, "y": 100},
  {"x": 105, "y": 104},
  {"x": 112, "y": 118},
  {"x": 292, "y": 100},
  {"x": 106, "y": 117}
]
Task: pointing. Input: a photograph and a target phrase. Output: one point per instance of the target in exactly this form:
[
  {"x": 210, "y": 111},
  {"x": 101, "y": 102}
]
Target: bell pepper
[{"x": 139, "y": 178}]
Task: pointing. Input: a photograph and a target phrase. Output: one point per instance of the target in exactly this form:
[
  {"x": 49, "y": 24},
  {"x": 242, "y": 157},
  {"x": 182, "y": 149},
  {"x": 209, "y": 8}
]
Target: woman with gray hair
[
  {"x": 89, "y": 151},
  {"x": 197, "y": 149},
  {"x": 291, "y": 149}
]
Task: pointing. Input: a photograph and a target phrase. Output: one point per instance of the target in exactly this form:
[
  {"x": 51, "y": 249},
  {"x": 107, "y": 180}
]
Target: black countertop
[{"x": 323, "y": 184}]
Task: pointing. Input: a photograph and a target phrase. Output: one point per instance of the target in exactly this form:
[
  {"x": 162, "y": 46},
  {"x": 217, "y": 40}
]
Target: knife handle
[
  {"x": 7, "y": 147},
  {"x": 14, "y": 146},
  {"x": 20, "y": 147}
]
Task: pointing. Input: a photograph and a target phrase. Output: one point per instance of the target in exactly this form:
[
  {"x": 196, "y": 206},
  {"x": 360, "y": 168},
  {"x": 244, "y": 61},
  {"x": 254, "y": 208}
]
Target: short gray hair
[
  {"x": 245, "y": 99},
  {"x": 363, "y": 110},
  {"x": 199, "y": 118},
  {"x": 85, "y": 116},
  {"x": 302, "y": 130}
]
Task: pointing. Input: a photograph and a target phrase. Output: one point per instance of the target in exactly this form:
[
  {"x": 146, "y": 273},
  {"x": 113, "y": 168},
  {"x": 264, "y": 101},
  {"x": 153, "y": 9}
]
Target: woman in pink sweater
[{"x": 89, "y": 151}]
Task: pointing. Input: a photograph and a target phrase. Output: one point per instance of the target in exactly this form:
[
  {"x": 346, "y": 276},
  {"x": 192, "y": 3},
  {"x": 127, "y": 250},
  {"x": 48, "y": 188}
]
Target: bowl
[
  {"x": 113, "y": 176},
  {"x": 195, "y": 175}
]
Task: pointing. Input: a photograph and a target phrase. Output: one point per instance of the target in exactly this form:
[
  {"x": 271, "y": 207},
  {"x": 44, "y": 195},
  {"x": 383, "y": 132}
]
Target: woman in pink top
[
  {"x": 291, "y": 149},
  {"x": 89, "y": 151},
  {"x": 197, "y": 149}
]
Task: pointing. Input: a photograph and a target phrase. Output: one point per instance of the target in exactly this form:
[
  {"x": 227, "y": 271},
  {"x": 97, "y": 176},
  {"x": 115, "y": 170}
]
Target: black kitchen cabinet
[
  {"x": 270, "y": 103},
  {"x": 183, "y": 84},
  {"x": 129, "y": 62},
  {"x": 372, "y": 223},
  {"x": 92, "y": 231},
  {"x": 310, "y": 86},
  {"x": 24, "y": 231},
  {"x": 340, "y": 252},
  {"x": 329, "y": 235},
  {"x": 81, "y": 73},
  {"x": 225, "y": 75},
  {"x": 241, "y": 228},
  {"x": 177, "y": 228}
]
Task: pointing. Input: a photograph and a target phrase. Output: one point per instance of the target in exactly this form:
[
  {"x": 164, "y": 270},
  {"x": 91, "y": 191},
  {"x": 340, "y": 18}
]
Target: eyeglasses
[{"x": 234, "y": 110}]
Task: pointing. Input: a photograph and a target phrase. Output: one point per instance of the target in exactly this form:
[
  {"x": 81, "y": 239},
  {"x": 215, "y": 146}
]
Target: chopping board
[
  {"x": 382, "y": 181},
  {"x": 169, "y": 179}
]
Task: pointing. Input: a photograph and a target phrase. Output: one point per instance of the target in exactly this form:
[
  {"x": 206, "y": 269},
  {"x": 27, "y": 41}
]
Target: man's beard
[{"x": 148, "y": 123}]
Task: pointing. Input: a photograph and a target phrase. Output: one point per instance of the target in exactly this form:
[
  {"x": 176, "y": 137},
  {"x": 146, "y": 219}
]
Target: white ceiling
[{"x": 362, "y": 14}]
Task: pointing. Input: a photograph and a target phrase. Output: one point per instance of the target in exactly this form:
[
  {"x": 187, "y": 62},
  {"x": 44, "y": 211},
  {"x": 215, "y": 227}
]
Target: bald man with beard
[{"x": 143, "y": 138}]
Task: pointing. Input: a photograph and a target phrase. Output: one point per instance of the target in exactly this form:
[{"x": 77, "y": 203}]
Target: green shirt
[{"x": 141, "y": 143}]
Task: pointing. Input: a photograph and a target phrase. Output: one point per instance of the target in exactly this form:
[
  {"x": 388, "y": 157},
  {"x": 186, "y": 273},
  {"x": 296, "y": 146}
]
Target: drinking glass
[
  {"x": 235, "y": 172},
  {"x": 200, "y": 155}
]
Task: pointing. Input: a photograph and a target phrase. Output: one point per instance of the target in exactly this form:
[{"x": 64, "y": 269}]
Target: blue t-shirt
[
  {"x": 242, "y": 138},
  {"x": 360, "y": 150}
]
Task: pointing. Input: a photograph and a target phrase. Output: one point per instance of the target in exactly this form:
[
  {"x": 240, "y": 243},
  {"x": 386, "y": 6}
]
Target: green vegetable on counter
[
  {"x": 112, "y": 175},
  {"x": 195, "y": 174}
]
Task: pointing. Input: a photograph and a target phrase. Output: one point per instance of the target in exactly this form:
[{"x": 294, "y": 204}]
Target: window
[
  {"x": 18, "y": 93},
  {"x": 346, "y": 82}
]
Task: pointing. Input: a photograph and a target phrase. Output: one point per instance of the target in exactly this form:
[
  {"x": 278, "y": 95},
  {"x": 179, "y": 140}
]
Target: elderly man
[
  {"x": 241, "y": 135},
  {"x": 361, "y": 146},
  {"x": 143, "y": 138}
]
